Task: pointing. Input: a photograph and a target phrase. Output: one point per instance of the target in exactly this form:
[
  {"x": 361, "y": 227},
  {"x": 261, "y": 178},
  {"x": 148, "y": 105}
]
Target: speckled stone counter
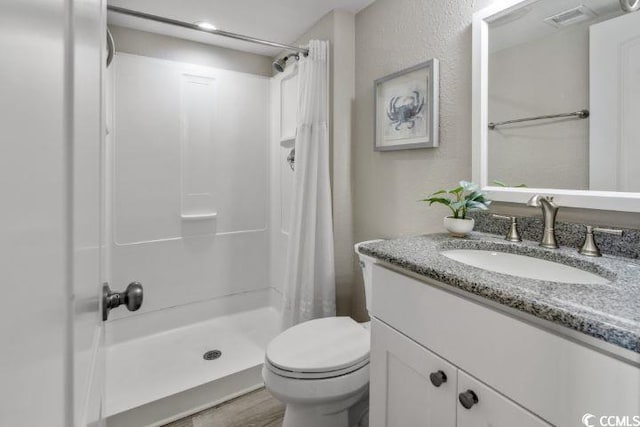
[
  {"x": 568, "y": 234},
  {"x": 610, "y": 312}
]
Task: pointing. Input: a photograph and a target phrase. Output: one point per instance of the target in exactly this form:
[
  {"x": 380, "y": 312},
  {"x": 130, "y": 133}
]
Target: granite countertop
[{"x": 609, "y": 312}]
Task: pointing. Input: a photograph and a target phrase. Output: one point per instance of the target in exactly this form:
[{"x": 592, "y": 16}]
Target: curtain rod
[{"x": 190, "y": 26}]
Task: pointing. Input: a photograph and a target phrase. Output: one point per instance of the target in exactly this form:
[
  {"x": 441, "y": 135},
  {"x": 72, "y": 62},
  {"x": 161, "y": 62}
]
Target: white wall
[
  {"x": 137, "y": 42},
  {"x": 88, "y": 211},
  {"x": 50, "y": 222},
  {"x": 34, "y": 232},
  {"x": 544, "y": 76},
  {"x": 188, "y": 140}
]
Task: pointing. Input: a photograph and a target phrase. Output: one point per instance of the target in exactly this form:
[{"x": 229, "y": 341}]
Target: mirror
[{"x": 557, "y": 100}]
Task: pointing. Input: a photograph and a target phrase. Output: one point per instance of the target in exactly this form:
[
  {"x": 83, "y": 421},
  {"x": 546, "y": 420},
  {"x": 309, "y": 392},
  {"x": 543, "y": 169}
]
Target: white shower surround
[{"x": 208, "y": 282}]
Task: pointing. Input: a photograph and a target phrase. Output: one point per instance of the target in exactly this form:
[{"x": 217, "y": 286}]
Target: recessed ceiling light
[{"x": 205, "y": 25}]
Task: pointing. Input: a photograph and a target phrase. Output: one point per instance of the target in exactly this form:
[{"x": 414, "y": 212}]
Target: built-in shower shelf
[{"x": 199, "y": 217}]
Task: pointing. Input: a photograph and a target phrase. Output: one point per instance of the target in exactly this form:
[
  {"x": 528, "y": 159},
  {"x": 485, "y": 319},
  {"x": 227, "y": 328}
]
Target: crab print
[{"x": 405, "y": 109}]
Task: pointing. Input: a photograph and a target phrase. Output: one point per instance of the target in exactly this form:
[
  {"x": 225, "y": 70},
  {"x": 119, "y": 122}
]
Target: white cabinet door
[
  {"x": 488, "y": 408},
  {"x": 402, "y": 392},
  {"x": 614, "y": 92}
]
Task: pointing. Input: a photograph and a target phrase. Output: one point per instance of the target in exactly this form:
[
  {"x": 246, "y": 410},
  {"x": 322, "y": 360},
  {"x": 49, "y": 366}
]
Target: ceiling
[
  {"x": 282, "y": 21},
  {"x": 524, "y": 24}
]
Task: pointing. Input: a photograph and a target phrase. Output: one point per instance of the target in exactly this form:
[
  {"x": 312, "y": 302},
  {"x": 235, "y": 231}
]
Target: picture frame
[{"x": 407, "y": 108}]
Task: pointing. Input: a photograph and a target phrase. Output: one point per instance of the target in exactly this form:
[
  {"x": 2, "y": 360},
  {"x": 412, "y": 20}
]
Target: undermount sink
[{"x": 523, "y": 266}]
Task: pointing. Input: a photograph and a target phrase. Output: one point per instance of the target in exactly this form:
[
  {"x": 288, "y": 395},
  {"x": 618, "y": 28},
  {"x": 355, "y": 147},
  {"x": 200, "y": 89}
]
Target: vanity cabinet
[
  {"x": 522, "y": 373},
  {"x": 492, "y": 409},
  {"x": 411, "y": 386},
  {"x": 402, "y": 392}
]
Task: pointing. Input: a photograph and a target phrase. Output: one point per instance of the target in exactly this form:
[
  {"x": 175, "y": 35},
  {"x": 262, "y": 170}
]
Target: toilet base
[
  {"x": 355, "y": 414},
  {"x": 312, "y": 416},
  {"x": 340, "y": 401}
]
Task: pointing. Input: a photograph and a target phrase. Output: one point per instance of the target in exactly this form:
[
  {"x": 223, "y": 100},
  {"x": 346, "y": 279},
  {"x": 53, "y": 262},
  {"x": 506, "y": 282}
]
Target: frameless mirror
[{"x": 557, "y": 100}]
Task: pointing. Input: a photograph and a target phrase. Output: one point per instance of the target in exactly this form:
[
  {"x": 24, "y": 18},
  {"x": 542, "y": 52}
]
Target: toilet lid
[{"x": 320, "y": 345}]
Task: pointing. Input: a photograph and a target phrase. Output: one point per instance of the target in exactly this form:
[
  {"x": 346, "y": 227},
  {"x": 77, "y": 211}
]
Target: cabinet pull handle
[
  {"x": 438, "y": 378},
  {"x": 468, "y": 399}
]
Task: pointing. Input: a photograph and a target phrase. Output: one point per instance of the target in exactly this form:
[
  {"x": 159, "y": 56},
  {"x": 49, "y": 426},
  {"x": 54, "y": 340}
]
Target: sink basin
[{"x": 523, "y": 266}]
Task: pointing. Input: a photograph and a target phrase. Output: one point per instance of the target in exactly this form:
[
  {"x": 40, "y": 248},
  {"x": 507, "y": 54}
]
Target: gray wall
[
  {"x": 174, "y": 49},
  {"x": 392, "y": 35}
]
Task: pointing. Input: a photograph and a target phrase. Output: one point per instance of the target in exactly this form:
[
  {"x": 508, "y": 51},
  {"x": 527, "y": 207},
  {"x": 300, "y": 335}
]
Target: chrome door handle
[{"x": 131, "y": 297}]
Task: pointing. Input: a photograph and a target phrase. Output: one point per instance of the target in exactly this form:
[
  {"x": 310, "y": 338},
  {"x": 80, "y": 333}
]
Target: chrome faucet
[{"x": 549, "y": 212}]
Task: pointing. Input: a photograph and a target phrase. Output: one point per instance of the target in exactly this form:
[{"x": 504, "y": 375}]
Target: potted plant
[{"x": 461, "y": 200}]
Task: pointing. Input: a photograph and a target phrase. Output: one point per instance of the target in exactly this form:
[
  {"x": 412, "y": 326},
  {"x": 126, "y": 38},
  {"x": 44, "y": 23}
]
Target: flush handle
[
  {"x": 131, "y": 298},
  {"x": 468, "y": 399},
  {"x": 438, "y": 378}
]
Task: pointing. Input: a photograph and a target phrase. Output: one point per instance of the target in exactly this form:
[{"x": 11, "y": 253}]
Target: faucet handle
[
  {"x": 513, "y": 235},
  {"x": 589, "y": 247}
]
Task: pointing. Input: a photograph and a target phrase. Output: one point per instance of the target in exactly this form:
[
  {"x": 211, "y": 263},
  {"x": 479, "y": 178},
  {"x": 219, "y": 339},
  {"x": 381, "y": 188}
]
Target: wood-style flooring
[{"x": 255, "y": 409}]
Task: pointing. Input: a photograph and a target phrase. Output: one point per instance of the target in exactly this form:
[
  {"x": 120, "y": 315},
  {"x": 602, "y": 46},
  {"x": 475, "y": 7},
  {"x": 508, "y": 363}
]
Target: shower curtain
[{"x": 309, "y": 289}]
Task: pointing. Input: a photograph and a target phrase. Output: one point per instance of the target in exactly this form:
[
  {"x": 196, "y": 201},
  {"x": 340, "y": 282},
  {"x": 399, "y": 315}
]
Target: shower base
[{"x": 157, "y": 371}]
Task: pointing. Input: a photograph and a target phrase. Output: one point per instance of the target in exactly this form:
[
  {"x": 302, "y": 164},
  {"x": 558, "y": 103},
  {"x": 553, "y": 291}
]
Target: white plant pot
[{"x": 458, "y": 227}]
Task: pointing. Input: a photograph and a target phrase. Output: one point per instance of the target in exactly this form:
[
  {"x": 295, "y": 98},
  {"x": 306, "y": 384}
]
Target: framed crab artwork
[{"x": 407, "y": 108}]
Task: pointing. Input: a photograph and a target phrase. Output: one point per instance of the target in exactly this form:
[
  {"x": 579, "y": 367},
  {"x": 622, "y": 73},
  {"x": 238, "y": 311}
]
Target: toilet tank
[{"x": 366, "y": 266}]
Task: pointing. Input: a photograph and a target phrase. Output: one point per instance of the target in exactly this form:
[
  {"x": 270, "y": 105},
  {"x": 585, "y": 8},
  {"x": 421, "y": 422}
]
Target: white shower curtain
[{"x": 309, "y": 290}]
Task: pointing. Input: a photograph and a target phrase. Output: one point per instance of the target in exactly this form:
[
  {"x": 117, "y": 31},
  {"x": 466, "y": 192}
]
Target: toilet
[{"x": 320, "y": 369}]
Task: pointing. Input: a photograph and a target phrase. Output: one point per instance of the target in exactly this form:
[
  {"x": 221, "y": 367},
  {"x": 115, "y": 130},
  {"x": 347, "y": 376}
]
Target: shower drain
[{"x": 212, "y": 355}]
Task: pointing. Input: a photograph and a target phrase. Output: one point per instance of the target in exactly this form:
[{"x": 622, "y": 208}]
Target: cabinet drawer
[
  {"x": 402, "y": 392},
  {"x": 551, "y": 376},
  {"x": 492, "y": 409}
]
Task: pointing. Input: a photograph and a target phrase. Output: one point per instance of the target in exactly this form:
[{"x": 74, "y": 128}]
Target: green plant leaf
[
  {"x": 466, "y": 197},
  {"x": 441, "y": 200},
  {"x": 478, "y": 206},
  {"x": 458, "y": 205},
  {"x": 474, "y": 196},
  {"x": 469, "y": 186},
  {"x": 504, "y": 184}
]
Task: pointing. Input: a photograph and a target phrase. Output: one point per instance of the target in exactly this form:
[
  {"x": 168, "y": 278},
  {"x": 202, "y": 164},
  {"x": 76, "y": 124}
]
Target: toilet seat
[
  {"x": 315, "y": 375},
  {"x": 319, "y": 349},
  {"x": 318, "y": 391}
]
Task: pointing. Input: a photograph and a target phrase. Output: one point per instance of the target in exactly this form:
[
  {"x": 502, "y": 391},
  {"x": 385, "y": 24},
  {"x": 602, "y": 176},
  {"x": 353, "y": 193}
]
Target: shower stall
[
  {"x": 198, "y": 190},
  {"x": 174, "y": 173}
]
